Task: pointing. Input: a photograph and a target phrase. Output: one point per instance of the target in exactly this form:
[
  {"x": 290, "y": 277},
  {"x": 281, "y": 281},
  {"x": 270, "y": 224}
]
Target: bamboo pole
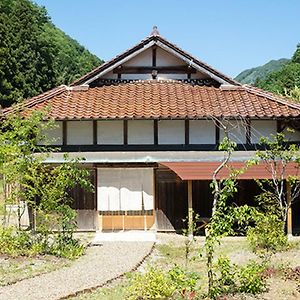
[{"x": 289, "y": 214}]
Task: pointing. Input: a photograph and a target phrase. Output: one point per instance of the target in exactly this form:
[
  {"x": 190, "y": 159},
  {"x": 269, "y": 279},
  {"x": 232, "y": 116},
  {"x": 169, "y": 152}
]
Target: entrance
[{"x": 125, "y": 198}]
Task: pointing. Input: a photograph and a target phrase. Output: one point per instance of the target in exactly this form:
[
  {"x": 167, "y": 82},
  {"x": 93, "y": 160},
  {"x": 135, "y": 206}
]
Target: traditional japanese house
[{"x": 147, "y": 124}]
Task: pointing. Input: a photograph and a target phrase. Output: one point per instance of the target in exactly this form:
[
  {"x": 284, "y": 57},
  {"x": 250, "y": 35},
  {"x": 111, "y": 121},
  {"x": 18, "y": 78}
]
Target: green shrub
[
  {"x": 267, "y": 234},
  {"x": 15, "y": 242},
  {"x": 229, "y": 279},
  {"x": 251, "y": 278},
  {"x": 153, "y": 284}
]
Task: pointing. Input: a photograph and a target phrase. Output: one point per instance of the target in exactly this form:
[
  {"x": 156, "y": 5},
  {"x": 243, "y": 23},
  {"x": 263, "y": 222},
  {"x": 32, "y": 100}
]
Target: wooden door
[{"x": 171, "y": 201}]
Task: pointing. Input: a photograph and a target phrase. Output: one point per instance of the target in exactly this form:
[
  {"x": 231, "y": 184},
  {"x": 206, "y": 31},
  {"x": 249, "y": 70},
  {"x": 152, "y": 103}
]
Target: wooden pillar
[
  {"x": 190, "y": 207},
  {"x": 289, "y": 215}
]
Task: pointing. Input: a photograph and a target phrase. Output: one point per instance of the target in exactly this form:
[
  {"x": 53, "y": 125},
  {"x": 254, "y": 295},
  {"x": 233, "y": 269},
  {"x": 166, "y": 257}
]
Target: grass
[
  {"x": 171, "y": 251},
  {"x": 19, "y": 268}
]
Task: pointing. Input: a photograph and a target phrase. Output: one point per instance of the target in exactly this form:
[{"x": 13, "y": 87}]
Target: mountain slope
[
  {"x": 36, "y": 56},
  {"x": 250, "y": 76}
]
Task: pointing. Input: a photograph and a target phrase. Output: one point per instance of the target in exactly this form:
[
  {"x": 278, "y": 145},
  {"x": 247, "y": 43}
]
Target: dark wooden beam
[
  {"x": 248, "y": 131},
  {"x": 155, "y": 132},
  {"x": 64, "y": 129},
  {"x": 217, "y": 133},
  {"x": 119, "y": 75},
  {"x": 187, "y": 131},
  {"x": 125, "y": 132},
  {"x": 161, "y": 70},
  {"x": 95, "y": 130},
  {"x": 153, "y": 56}
]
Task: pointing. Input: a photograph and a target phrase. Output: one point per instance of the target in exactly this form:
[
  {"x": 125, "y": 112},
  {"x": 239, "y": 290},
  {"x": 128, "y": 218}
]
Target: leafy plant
[
  {"x": 267, "y": 234},
  {"x": 153, "y": 284}
]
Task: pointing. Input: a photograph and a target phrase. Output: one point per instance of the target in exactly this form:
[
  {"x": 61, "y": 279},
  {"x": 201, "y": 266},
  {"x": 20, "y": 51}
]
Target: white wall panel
[
  {"x": 79, "y": 132},
  {"x": 140, "y": 132},
  {"x": 54, "y": 136},
  {"x": 143, "y": 59},
  {"x": 165, "y": 59},
  {"x": 110, "y": 132},
  {"x": 171, "y": 132},
  {"x": 236, "y": 131},
  {"x": 262, "y": 128},
  {"x": 202, "y": 132},
  {"x": 292, "y": 136}
]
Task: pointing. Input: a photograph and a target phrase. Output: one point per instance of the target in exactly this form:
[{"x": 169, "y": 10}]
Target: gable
[{"x": 154, "y": 58}]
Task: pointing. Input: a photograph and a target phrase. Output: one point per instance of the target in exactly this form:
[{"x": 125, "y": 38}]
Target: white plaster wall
[
  {"x": 110, "y": 132},
  {"x": 79, "y": 132},
  {"x": 262, "y": 128},
  {"x": 292, "y": 136},
  {"x": 236, "y": 131},
  {"x": 202, "y": 132},
  {"x": 166, "y": 59},
  {"x": 137, "y": 76},
  {"x": 54, "y": 136},
  {"x": 171, "y": 76},
  {"x": 171, "y": 132},
  {"x": 140, "y": 132},
  {"x": 143, "y": 59},
  {"x": 110, "y": 75}
]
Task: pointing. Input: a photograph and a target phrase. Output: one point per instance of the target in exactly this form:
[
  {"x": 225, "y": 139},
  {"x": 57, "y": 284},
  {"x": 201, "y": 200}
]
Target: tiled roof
[{"x": 161, "y": 100}]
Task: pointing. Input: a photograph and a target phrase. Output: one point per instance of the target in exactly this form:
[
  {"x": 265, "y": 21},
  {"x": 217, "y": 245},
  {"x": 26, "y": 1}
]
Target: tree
[
  {"x": 277, "y": 155},
  {"x": 35, "y": 56}
]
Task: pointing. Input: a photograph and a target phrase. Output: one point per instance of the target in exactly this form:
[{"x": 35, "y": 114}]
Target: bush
[
  {"x": 154, "y": 284},
  {"x": 158, "y": 284},
  {"x": 15, "y": 242},
  {"x": 251, "y": 278},
  {"x": 229, "y": 279},
  {"x": 267, "y": 234}
]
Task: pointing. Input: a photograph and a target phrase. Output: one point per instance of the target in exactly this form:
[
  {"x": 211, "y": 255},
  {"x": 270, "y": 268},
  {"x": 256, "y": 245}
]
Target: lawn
[
  {"x": 170, "y": 250},
  {"x": 19, "y": 268}
]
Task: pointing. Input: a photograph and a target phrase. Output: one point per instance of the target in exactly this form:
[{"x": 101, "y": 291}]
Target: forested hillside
[
  {"x": 250, "y": 76},
  {"x": 285, "y": 79},
  {"x": 36, "y": 56}
]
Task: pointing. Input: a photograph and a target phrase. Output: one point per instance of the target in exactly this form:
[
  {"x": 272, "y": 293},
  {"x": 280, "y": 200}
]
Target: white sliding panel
[
  {"x": 110, "y": 132},
  {"x": 236, "y": 131},
  {"x": 202, "y": 132},
  {"x": 54, "y": 136},
  {"x": 262, "y": 128},
  {"x": 140, "y": 132},
  {"x": 125, "y": 189},
  {"x": 292, "y": 136},
  {"x": 79, "y": 133},
  {"x": 171, "y": 132}
]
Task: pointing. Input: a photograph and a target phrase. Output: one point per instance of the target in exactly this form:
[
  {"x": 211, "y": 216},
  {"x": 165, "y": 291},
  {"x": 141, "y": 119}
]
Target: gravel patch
[{"x": 100, "y": 264}]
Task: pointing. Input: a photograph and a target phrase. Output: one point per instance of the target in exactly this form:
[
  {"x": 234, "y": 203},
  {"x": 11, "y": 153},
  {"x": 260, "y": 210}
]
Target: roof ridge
[
  {"x": 36, "y": 99},
  {"x": 271, "y": 96}
]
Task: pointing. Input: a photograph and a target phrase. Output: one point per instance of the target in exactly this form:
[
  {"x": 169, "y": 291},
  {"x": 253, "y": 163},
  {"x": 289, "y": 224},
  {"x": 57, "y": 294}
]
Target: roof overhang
[{"x": 204, "y": 170}]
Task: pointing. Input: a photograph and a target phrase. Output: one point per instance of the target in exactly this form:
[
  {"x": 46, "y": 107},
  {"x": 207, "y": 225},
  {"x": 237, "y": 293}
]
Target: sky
[{"x": 230, "y": 35}]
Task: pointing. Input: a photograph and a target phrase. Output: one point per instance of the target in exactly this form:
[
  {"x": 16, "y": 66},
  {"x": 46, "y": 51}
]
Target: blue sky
[{"x": 230, "y": 35}]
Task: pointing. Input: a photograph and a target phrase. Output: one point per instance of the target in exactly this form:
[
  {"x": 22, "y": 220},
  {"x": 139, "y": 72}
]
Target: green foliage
[
  {"x": 231, "y": 280},
  {"x": 154, "y": 284},
  {"x": 267, "y": 234},
  {"x": 14, "y": 242},
  {"x": 251, "y": 278},
  {"x": 158, "y": 284},
  {"x": 45, "y": 189},
  {"x": 35, "y": 56},
  {"x": 285, "y": 79},
  {"x": 250, "y": 76}
]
